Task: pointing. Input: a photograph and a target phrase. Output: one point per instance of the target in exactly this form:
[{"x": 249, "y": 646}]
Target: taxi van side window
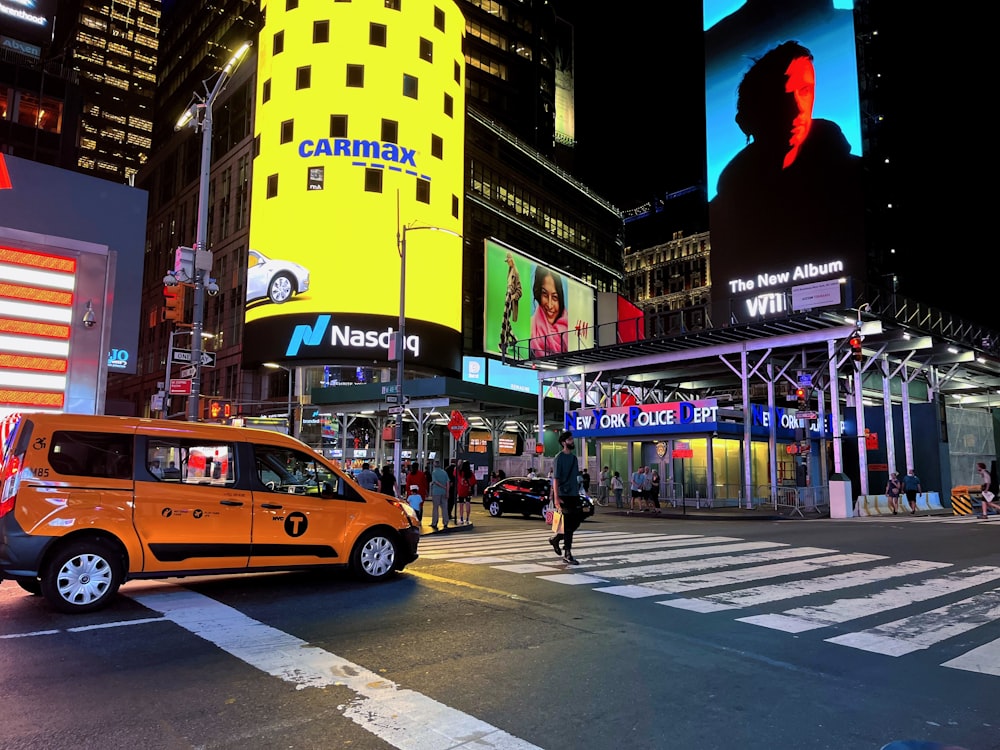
[
  {"x": 288, "y": 471},
  {"x": 191, "y": 461},
  {"x": 91, "y": 454}
]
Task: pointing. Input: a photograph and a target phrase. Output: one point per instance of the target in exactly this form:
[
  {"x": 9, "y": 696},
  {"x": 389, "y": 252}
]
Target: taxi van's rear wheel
[
  {"x": 82, "y": 577},
  {"x": 374, "y": 556}
]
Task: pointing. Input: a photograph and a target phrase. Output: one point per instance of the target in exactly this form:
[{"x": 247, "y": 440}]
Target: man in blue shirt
[
  {"x": 566, "y": 479},
  {"x": 368, "y": 478},
  {"x": 911, "y": 486}
]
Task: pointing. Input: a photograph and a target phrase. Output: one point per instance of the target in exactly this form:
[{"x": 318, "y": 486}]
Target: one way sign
[{"x": 183, "y": 356}]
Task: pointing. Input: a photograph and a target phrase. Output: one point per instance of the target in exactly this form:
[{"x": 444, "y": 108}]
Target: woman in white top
[{"x": 987, "y": 482}]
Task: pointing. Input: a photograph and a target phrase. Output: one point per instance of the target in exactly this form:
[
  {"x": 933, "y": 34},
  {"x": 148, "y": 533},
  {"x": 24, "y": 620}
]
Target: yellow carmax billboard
[{"x": 360, "y": 125}]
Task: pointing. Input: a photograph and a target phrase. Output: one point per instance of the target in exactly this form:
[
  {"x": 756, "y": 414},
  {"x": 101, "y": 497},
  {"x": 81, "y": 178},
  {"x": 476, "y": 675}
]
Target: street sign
[
  {"x": 396, "y": 409},
  {"x": 806, "y": 414},
  {"x": 183, "y": 357},
  {"x": 180, "y": 387},
  {"x": 805, "y": 379},
  {"x": 457, "y": 425},
  {"x": 392, "y": 398},
  {"x": 189, "y": 371}
]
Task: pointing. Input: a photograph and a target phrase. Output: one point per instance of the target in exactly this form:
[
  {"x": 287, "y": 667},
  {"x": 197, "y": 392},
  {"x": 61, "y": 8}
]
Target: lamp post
[
  {"x": 276, "y": 366},
  {"x": 400, "y": 347},
  {"x": 199, "y": 114}
]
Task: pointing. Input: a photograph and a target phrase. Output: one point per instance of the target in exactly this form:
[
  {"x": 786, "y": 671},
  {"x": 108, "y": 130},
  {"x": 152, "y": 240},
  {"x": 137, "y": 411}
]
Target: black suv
[{"x": 525, "y": 496}]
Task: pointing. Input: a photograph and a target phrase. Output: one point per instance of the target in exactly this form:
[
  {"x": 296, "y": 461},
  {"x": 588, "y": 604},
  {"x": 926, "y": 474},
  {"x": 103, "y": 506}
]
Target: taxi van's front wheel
[
  {"x": 82, "y": 577},
  {"x": 374, "y": 556}
]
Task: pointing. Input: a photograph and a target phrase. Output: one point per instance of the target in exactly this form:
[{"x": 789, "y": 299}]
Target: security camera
[
  {"x": 212, "y": 287},
  {"x": 89, "y": 318}
]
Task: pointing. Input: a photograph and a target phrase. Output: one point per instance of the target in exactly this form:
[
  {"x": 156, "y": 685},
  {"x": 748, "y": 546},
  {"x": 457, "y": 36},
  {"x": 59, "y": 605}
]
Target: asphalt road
[{"x": 670, "y": 634}]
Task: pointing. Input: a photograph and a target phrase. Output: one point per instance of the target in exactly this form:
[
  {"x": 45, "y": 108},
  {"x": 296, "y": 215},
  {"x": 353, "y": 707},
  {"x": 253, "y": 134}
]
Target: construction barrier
[
  {"x": 878, "y": 505},
  {"x": 961, "y": 499}
]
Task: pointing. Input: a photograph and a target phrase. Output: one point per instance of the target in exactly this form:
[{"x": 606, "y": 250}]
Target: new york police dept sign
[{"x": 648, "y": 419}]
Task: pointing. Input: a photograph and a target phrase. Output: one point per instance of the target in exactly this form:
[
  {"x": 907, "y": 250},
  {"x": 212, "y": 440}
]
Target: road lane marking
[
  {"x": 681, "y": 566},
  {"x": 805, "y": 587},
  {"x": 927, "y": 628},
  {"x": 402, "y": 718},
  {"x": 801, "y": 619}
]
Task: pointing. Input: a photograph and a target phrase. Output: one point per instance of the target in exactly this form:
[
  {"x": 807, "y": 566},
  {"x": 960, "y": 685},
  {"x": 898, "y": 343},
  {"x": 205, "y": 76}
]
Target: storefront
[{"x": 697, "y": 448}]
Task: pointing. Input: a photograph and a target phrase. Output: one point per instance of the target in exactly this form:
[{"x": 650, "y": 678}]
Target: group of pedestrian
[
  {"x": 609, "y": 484},
  {"x": 896, "y": 487},
  {"x": 645, "y": 487}
]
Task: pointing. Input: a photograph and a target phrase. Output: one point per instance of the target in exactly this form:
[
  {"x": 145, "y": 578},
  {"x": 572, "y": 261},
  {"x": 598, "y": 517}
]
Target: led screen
[
  {"x": 785, "y": 175},
  {"x": 360, "y": 163},
  {"x": 532, "y": 309}
]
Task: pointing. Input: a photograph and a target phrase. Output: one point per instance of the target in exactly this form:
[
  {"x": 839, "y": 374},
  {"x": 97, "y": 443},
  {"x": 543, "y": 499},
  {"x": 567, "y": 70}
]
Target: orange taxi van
[{"x": 90, "y": 502}]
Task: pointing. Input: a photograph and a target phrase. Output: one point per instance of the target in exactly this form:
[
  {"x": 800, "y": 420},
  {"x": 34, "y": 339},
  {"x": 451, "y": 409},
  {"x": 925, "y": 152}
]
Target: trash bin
[{"x": 841, "y": 500}]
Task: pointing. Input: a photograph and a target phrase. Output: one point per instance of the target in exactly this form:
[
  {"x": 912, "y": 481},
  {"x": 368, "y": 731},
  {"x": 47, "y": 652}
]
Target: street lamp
[
  {"x": 400, "y": 348},
  {"x": 199, "y": 114},
  {"x": 276, "y": 366}
]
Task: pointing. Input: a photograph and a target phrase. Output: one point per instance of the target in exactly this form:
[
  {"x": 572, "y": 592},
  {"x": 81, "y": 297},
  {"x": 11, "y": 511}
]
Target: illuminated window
[
  {"x": 376, "y": 34},
  {"x": 437, "y": 146},
  {"x": 424, "y": 191},
  {"x": 272, "y": 185},
  {"x": 278, "y": 44},
  {"x": 373, "y": 180},
  {"x": 356, "y": 76},
  {"x": 439, "y": 19},
  {"x": 390, "y": 131},
  {"x": 426, "y": 50},
  {"x": 287, "y": 131},
  {"x": 265, "y": 90},
  {"x": 409, "y": 86},
  {"x": 303, "y": 77},
  {"x": 321, "y": 32},
  {"x": 338, "y": 126},
  {"x": 449, "y": 105}
]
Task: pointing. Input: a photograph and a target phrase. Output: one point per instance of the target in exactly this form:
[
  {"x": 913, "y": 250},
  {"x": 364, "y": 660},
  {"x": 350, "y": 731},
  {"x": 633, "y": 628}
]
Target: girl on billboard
[{"x": 549, "y": 322}]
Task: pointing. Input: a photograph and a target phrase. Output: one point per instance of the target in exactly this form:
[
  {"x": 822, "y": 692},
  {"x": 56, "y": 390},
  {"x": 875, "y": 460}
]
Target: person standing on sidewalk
[
  {"x": 603, "y": 484},
  {"x": 440, "y": 484},
  {"x": 911, "y": 486},
  {"x": 566, "y": 478},
  {"x": 617, "y": 486}
]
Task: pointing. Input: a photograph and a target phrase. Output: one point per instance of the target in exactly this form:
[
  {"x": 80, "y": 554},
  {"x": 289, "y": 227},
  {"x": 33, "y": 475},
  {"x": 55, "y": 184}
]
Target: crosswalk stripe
[
  {"x": 844, "y": 610},
  {"x": 652, "y": 565},
  {"x": 794, "y": 589},
  {"x": 927, "y": 628},
  {"x": 709, "y": 563},
  {"x": 985, "y": 659}
]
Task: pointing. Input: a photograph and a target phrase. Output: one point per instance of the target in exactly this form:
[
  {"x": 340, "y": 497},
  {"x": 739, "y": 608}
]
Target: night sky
[{"x": 640, "y": 133}]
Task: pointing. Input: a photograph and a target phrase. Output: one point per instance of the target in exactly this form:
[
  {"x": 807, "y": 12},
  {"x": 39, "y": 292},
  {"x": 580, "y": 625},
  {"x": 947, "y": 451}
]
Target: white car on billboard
[{"x": 276, "y": 280}]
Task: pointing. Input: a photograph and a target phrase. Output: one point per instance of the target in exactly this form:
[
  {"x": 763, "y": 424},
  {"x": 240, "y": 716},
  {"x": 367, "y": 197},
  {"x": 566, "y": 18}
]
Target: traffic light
[
  {"x": 855, "y": 343},
  {"x": 216, "y": 409},
  {"x": 173, "y": 299},
  {"x": 801, "y": 396}
]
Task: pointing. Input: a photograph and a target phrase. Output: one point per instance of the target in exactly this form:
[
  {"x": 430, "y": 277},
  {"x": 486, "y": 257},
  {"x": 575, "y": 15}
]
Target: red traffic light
[{"x": 855, "y": 343}]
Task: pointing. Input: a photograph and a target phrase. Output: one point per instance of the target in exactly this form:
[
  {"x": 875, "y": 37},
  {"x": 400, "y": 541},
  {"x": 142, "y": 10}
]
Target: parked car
[
  {"x": 525, "y": 496},
  {"x": 276, "y": 280}
]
